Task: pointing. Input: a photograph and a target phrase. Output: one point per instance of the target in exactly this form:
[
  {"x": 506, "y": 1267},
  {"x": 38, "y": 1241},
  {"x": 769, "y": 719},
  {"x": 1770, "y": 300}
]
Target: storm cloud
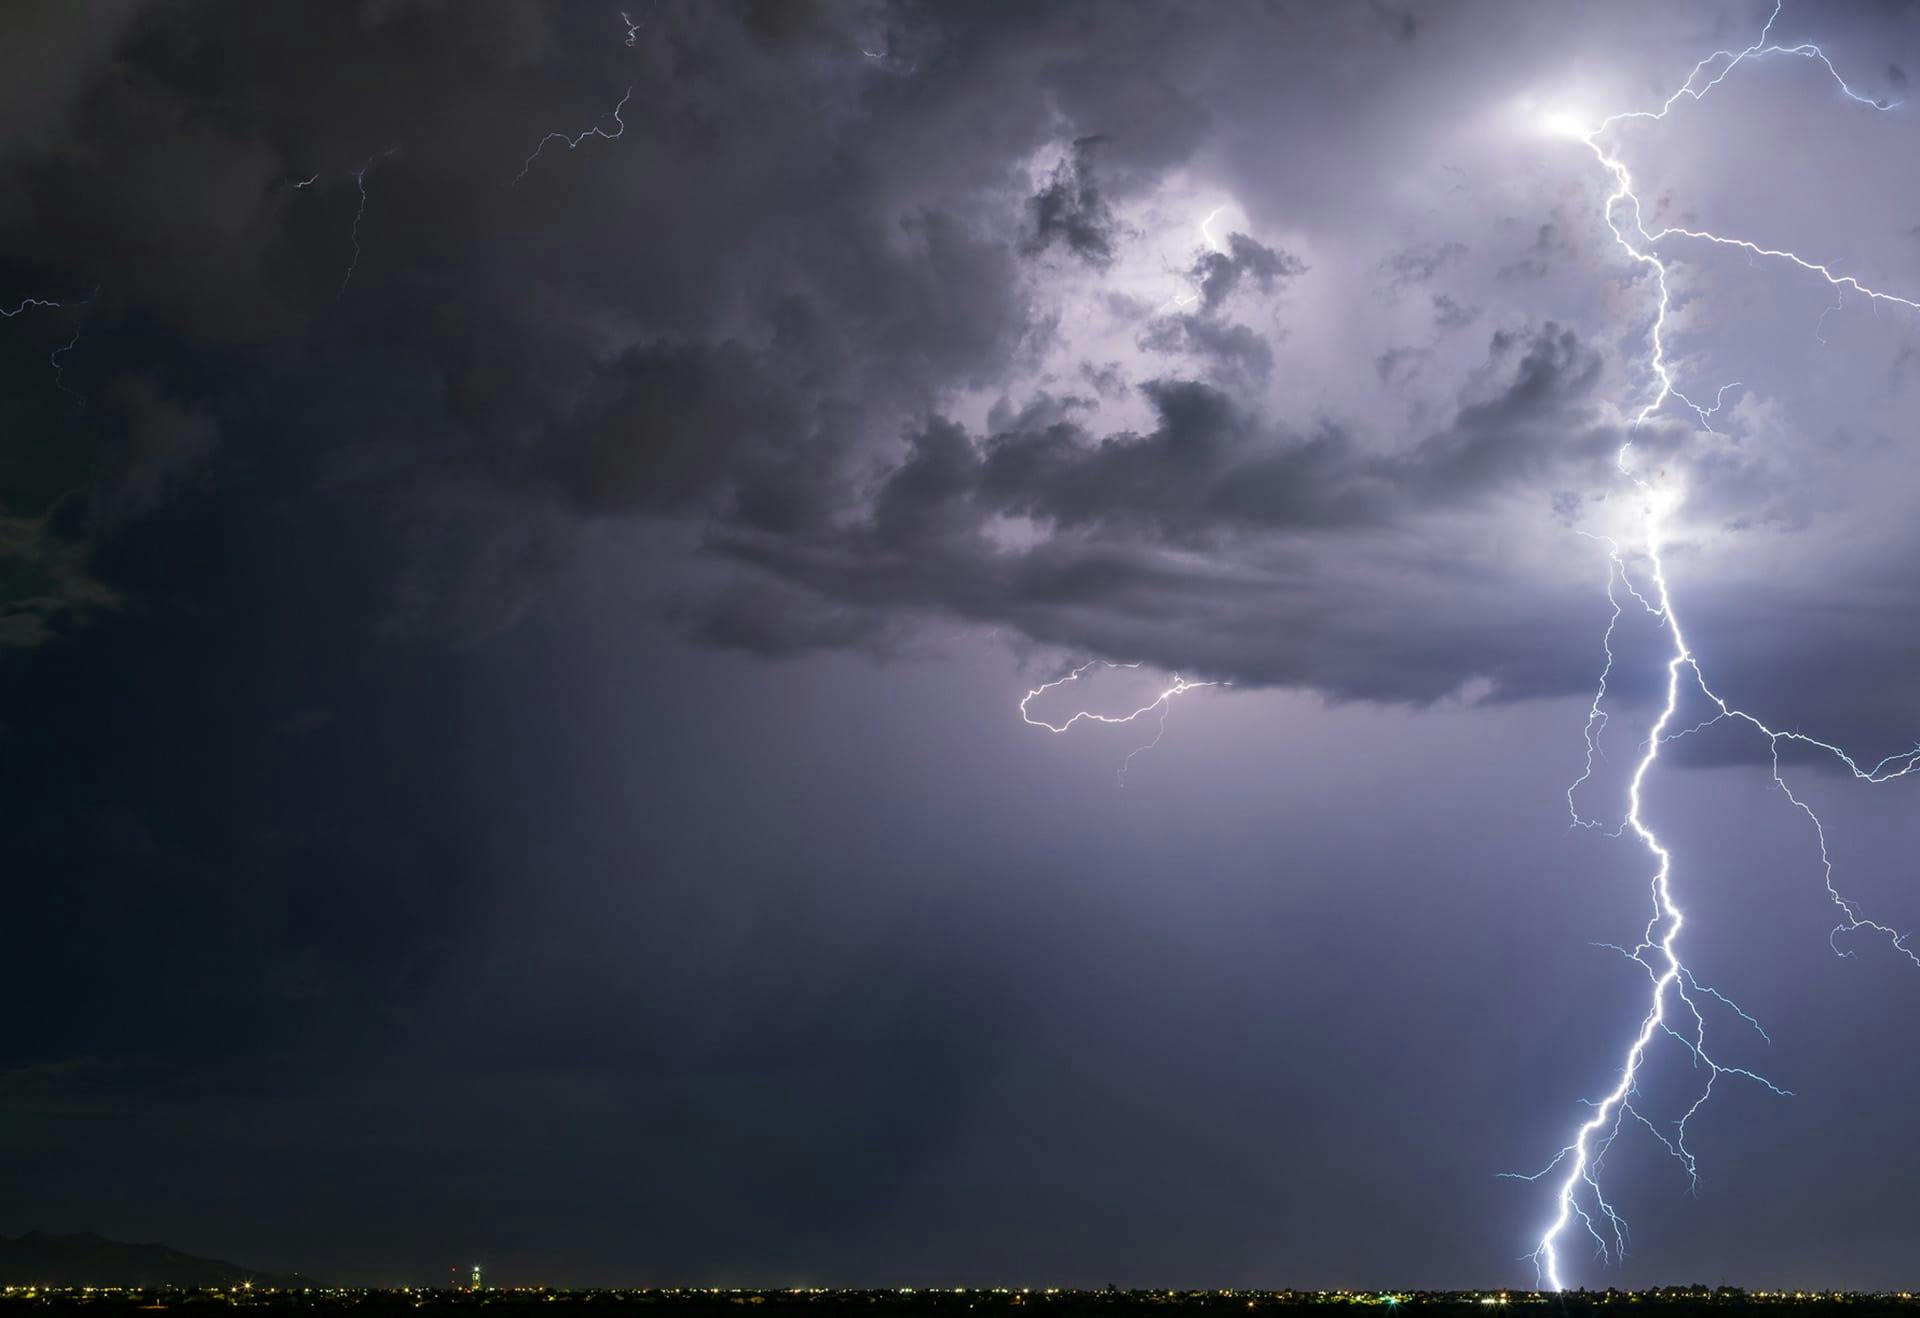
[{"x": 1270, "y": 344}]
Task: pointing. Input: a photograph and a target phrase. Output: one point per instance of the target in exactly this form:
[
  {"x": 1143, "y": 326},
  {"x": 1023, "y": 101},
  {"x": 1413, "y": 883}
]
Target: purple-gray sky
[{"x": 508, "y": 686}]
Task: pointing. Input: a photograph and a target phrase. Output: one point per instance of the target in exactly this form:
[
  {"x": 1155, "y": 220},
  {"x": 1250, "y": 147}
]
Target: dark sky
[{"x": 509, "y": 732}]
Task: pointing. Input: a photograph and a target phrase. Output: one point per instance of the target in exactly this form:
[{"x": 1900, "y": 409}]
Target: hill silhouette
[{"x": 86, "y": 1259}]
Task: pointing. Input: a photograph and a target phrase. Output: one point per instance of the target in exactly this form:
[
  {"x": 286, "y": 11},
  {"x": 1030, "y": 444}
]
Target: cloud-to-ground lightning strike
[
  {"x": 1160, "y": 704},
  {"x": 1674, "y": 1006}
]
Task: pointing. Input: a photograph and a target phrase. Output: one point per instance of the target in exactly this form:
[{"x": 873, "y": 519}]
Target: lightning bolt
[
  {"x": 1159, "y": 704},
  {"x": 1206, "y": 230},
  {"x": 27, "y": 304},
  {"x": 574, "y": 140},
  {"x": 1674, "y": 1009},
  {"x": 56, "y": 357},
  {"x": 1209, "y": 244},
  {"x": 360, "y": 212}
]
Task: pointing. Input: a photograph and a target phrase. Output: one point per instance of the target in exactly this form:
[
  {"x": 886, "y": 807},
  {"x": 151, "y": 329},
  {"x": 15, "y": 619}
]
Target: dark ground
[{"x": 1668, "y": 1303}]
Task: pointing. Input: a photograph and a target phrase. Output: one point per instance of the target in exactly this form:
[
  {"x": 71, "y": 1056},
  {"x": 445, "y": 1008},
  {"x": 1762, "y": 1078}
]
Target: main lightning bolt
[{"x": 1674, "y": 1008}]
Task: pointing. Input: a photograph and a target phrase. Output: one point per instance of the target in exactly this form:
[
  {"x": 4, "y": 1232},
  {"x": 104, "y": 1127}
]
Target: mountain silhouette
[{"x": 86, "y": 1259}]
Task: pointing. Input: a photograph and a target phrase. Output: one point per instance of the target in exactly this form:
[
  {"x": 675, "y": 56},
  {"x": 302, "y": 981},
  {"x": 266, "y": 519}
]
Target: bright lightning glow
[
  {"x": 1567, "y": 123},
  {"x": 1159, "y": 704},
  {"x": 1209, "y": 243},
  {"x": 1673, "y": 1009},
  {"x": 1206, "y": 230},
  {"x": 27, "y": 303}
]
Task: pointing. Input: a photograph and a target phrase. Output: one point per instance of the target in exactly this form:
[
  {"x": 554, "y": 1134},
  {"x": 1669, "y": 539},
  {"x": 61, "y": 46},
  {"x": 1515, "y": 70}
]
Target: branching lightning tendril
[
  {"x": 56, "y": 358},
  {"x": 27, "y": 304},
  {"x": 1675, "y": 1005},
  {"x": 573, "y": 140},
  {"x": 1159, "y": 704},
  {"x": 360, "y": 212}
]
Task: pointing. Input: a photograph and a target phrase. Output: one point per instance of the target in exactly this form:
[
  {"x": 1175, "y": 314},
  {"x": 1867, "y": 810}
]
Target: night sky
[{"x": 511, "y": 643}]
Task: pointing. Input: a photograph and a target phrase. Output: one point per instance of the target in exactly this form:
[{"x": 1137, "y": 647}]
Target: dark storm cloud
[
  {"x": 301, "y": 505},
  {"x": 1124, "y": 513},
  {"x": 1218, "y": 273},
  {"x": 1549, "y": 240},
  {"x": 1230, "y": 352},
  {"x": 1070, "y": 211},
  {"x": 746, "y": 318},
  {"x": 469, "y": 371},
  {"x": 628, "y": 331},
  {"x": 1450, "y": 315},
  {"x": 1418, "y": 265},
  {"x": 1398, "y": 364},
  {"x": 1404, "y": 24},
  {"x": 285, "y": 554}
]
